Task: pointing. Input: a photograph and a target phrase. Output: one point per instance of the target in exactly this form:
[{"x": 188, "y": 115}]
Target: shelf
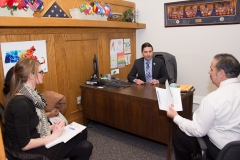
[{"x": 64, "y": 22}]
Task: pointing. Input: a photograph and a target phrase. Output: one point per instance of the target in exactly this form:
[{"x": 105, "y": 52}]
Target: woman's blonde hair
[{"x": 23, "y": 68}]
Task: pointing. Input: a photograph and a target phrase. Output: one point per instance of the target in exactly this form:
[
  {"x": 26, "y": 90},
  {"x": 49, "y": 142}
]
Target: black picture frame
[{"x": 201, "y": 12}]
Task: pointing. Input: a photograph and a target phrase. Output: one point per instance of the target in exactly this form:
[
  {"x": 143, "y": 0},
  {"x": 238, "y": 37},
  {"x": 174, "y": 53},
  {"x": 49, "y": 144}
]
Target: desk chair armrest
[{"x": 203, "y": 147}]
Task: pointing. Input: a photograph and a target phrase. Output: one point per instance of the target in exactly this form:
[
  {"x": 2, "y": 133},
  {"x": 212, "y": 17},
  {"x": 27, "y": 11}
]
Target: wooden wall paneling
[
  {"x": 62, "y": 77},
  {"x": 106, "y": 38},
  {"x": 50, "y": 80},
  {"x": 2, "y": 96},
  {"x": 76, "y": 56},
  {"x": 2, "y": 151}
]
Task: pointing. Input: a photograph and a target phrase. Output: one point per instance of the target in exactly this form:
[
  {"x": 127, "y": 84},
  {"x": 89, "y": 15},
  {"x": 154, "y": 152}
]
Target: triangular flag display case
[{"x": 54, "y": 10}]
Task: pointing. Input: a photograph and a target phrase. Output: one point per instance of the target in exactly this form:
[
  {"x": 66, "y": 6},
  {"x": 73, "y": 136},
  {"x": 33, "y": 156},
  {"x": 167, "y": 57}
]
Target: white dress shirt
[{"x": 218, "y": 115}]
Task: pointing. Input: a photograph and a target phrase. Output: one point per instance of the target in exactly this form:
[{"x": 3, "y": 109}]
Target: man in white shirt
[{"x": 217, "y": 118}]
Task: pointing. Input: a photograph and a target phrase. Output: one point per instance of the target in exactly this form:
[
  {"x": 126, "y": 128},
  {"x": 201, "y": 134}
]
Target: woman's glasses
[{"x": 41, "y": 72}]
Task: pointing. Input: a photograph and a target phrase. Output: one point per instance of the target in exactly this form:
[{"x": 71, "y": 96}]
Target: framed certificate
[{"x": 201, "y": 12}]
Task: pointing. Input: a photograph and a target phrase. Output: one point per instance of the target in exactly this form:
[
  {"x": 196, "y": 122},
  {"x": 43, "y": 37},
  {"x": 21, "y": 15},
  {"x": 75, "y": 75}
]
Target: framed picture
[{"x": 201, "y": 12}]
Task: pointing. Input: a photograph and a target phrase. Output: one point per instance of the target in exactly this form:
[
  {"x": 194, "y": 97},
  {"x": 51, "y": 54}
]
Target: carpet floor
[{"x": 113, "y": 144}]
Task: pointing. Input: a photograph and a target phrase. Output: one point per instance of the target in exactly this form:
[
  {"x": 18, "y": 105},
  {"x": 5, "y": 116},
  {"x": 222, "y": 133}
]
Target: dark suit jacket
[{"x": 159, "y": 70}]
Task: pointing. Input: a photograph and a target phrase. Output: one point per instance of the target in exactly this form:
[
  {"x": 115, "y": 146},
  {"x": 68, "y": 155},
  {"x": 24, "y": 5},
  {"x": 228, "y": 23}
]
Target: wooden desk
[{"x": 133, "y": 109}]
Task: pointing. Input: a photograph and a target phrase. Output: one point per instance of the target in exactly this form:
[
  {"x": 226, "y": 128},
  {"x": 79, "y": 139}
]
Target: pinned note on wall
[
  {"x": 127, "y": 45},
  {"x": 128, "y": 59},
  {"x": 116, "y": 50}
]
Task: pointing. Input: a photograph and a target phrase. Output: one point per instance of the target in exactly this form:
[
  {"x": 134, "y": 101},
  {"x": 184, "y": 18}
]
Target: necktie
[{"x": 148, "y": 73}]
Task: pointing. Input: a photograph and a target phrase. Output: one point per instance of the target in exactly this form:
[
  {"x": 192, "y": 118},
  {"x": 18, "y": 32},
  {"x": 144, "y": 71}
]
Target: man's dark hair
[
  {"x": 146, "y": 44},
  {"x": 229, "y": 64}
]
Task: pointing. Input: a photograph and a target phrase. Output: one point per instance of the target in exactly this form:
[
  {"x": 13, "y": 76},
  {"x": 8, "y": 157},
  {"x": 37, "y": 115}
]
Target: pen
[{"x": 71, "y": 128}]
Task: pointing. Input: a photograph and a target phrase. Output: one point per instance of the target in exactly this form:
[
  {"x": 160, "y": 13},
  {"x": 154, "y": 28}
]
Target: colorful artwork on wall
[{"x": 13, "y": 51}]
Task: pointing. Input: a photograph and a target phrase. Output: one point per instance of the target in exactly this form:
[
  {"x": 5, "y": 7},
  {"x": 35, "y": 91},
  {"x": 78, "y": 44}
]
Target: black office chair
[
  {"x": 230, "y": 151},
  {"x": 170, "y": 63},
  {"x": 12, "y": 154}
]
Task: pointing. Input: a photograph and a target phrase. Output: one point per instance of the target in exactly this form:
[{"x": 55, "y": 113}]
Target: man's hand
[
  {"x": 171, "y": 113},
  {"x": 154, "y": 81},
  {"x": 139, "y": 81}
]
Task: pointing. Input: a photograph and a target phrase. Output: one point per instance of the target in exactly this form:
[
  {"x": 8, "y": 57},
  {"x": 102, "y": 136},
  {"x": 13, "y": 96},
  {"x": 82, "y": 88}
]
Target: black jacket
[{"x": 159, "y": 71}]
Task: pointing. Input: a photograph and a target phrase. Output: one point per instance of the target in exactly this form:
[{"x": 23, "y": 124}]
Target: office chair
[
  {"x": 230, "y": 151},
  {"x": 170, "y": 63},
  {"x": 12, "y": 154}
]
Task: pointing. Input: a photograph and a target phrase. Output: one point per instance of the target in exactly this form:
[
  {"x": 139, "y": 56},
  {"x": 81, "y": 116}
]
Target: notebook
[{"x": 69, "y": 132}]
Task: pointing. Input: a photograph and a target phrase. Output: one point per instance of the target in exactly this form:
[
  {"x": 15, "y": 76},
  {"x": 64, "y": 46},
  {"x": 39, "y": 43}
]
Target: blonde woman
[{"x": 29, "y": 132}]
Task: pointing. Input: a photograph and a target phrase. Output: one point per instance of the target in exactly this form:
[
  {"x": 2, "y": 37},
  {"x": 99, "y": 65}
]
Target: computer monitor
[{"x": 95, "y": 74}]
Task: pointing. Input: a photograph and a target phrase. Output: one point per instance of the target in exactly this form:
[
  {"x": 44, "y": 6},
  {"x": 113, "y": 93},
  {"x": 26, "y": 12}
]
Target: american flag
[
  {"x": 33, "y": 6},
  {"x": 56, "y": 11}
]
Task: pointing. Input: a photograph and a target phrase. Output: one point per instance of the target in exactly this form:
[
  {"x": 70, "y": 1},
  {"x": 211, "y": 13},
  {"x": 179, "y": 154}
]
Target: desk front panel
[{"x": 133, "y": 109}]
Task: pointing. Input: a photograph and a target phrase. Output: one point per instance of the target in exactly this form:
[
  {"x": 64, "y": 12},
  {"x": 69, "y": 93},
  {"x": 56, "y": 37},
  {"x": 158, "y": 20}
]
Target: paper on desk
[{"x": 169, "y": 96}]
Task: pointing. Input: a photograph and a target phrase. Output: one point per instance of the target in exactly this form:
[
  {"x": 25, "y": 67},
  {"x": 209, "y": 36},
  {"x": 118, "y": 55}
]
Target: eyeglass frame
[{"x": 41, "y": 72}]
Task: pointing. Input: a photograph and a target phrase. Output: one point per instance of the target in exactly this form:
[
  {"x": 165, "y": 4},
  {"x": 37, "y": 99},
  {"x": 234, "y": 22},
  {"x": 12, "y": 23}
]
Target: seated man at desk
[
  {"x": 148, "y": 68},
  {"x": 217, "y": 118}
]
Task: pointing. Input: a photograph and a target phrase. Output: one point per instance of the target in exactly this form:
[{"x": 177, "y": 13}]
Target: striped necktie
[{"x": 148, "y": 72}]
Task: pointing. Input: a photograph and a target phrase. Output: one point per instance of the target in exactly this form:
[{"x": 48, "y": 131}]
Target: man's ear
[{"x": 222, "y": 73}]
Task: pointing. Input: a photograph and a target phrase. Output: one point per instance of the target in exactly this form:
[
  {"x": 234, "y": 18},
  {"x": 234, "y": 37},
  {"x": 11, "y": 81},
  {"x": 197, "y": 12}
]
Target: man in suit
[{"x": 148, "y": 68}]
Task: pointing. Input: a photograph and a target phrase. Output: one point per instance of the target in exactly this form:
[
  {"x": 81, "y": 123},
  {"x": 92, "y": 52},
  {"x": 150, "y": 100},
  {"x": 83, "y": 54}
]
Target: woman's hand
[
  {"x": 57, "y": 128},
  {"x": 171, "y": 113}
]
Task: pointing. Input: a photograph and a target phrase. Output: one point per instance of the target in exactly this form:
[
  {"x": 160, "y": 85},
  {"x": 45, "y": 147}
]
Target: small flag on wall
[{"x": 54, "y": 10}]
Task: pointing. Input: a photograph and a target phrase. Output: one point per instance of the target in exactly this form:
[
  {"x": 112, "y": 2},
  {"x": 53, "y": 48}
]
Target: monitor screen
[{"x": 95, "y": 67}]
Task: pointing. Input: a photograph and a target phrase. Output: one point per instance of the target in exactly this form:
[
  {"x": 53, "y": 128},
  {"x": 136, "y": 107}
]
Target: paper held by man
[{"x": 169, "y": 96}]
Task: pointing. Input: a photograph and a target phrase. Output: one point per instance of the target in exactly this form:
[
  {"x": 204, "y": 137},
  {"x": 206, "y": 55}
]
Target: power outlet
[{"x": 79, "y": 100}]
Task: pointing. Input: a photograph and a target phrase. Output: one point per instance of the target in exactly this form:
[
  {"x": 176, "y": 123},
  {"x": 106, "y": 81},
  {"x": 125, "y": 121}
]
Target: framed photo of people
[{"x": 201, "y": 12}]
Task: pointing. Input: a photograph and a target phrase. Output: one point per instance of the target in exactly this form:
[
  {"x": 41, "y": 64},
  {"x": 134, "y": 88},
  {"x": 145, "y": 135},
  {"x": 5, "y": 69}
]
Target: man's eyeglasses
[{"x": 41, "y": 72}]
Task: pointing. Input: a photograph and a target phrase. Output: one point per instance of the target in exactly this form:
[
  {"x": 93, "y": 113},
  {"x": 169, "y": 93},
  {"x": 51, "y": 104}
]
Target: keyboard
[{"x": 114, "y": 83}]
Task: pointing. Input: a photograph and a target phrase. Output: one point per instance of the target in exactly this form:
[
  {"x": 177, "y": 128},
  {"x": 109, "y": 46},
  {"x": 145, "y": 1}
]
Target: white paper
[
  {"x": 116, "y": 46},
  {"x": 113, "y": 60},
  {"x": 114, "y": 71},
  {"x": 169, "y": 96},
  {"x": 128, "y": 59},
  {"x": 69, "y": 132},
  {"x": 127, "y": 45}
]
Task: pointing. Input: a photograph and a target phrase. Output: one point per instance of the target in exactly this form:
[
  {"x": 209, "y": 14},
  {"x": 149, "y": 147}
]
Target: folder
[
  {"x": 185, "y": 87},
  {"x": 68, "y": 133}
]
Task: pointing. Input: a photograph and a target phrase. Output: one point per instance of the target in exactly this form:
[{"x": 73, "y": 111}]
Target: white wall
[
  {"x": 194, "y": 47},
  {"x": 17, "y": 13}
]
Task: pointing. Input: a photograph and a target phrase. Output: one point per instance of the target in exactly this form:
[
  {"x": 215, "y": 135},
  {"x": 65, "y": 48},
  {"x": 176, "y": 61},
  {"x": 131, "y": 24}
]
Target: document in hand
[
  {"x": 169, "y": 96},
  {"x": 69, "y": 132}
]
